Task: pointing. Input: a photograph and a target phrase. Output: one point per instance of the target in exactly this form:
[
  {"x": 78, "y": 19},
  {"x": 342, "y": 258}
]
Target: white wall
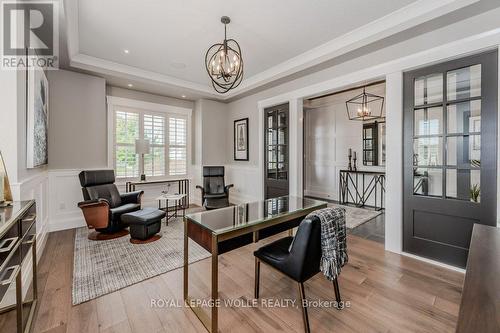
[
  {"x": 77, "y": 121},
  {"x": 26, "y": 184},
  {"x": 458, "y": 38},
  {"x": 78, "y": 140},
  {"x": 328, "y": 135}
]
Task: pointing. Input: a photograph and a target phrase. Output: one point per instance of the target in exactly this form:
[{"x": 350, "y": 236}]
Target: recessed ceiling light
[
  {"x": 126, "y": 51},
  {"x": 130, "y": 85},
  {"x": 183, "y": 96}
]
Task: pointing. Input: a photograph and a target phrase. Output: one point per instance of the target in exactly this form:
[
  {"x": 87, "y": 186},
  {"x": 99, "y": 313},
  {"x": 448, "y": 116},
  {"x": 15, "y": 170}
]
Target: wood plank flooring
[{"x": 387, "y": 293}]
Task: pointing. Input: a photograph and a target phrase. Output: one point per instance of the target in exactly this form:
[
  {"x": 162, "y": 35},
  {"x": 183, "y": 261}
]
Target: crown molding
[
  {"x": 89, "y": 63},
  {"x": 405, "y": 18}
]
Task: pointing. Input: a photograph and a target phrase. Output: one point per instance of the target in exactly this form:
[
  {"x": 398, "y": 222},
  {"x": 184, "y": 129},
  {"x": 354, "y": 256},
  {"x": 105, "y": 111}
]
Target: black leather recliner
[
  {"x": 300, "y": 263},
  {"x": 214, "y": 193},
  {"x": 104, "y": 205}
]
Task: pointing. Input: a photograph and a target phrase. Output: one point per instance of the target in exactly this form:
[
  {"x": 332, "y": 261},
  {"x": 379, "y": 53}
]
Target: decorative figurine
[{"x": 349, "y": 167}]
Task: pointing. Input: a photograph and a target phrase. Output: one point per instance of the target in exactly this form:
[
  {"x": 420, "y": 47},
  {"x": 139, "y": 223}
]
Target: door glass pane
[
  {"x": 428, "y": 182},
  {"x": 463, "y": 151},
  {"x": 271, "y": 137},
  {"x": 271, "y": 155},
  {"x": 270, "y": 121},
  {"x": 463, "y": 184},
  {"x": 282, "y": 154},
  {"x": 429, "y": 89},
  {"x": 271, "y": 170},
  {"x": 428, "y": 151},
  {"x": 281, "y": 136},
  {"x": 369, "y": 157},
  {"x": 429, "y": 121},
  {"x": 464, "y": 117},
  {"x": 464, "y": 83},
  {"x": 281, "y": 119}
]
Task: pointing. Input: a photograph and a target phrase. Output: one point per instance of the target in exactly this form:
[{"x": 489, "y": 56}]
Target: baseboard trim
[
  {"x": 434, "y": 262},
  {"x": 71, "y": 223}
]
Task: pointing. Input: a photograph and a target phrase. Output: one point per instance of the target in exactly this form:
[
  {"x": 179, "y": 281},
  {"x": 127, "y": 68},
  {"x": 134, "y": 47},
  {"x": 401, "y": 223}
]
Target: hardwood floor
[
  {"x": 386, "y": 291},
  {"x": 373, "y": 230}
]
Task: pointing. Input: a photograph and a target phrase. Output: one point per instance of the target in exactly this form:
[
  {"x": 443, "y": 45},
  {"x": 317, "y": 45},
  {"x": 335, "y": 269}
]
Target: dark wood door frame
[{"x": 278, "y": 185}]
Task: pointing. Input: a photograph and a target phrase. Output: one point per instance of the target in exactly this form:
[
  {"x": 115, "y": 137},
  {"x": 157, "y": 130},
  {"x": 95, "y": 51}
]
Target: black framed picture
[{"x": 241, "y": 139}]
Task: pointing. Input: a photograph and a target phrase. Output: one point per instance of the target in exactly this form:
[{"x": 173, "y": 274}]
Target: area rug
[
  {"x": 102, "y": 267},
  {"x": 357, "y": 216}
]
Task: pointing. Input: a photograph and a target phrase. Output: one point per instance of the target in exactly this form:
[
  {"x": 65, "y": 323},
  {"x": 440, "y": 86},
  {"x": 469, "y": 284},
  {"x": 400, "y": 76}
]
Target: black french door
[
  {"x": 450, "y": 155},
  {"x": 276, "y": 151}
]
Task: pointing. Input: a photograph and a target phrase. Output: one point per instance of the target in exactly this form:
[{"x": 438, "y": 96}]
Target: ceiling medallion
[
  {"x": 365, "y": 106},
  {"x": 224, "y": 63}
]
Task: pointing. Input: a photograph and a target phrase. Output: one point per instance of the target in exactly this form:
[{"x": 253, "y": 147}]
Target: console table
[
  {"x": 183, "y": 186},
  {"x": 17, "y": 247},
  {"x": 354, "y": 187}
]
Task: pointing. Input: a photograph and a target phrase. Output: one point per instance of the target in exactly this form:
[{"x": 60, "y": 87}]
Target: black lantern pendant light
[
  {"x": 224, "y": 63},
  {"x": 365, "y": 106}
]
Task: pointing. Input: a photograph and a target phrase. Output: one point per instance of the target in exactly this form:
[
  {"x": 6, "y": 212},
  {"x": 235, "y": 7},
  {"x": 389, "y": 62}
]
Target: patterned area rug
[
  {"x": 357, "y": 216},
  {"x": 102, "y": 267}
]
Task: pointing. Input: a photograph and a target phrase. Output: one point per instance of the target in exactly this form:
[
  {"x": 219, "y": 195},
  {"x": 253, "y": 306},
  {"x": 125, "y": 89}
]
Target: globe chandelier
[{"x": 224, "y": 63}]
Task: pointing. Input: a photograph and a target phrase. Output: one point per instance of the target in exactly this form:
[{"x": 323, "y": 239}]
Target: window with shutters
[{"x": 167, "y": 134}]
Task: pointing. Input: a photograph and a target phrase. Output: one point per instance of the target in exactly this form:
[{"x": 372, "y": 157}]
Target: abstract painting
[
  {"x": 37, "y": 118},
  {"x": 241, "y": 139}
]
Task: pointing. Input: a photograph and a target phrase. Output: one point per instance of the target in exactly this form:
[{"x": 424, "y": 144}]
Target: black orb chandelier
[
  {"x": 224, "y": 63},
  {"x": 365, "y": 106}
]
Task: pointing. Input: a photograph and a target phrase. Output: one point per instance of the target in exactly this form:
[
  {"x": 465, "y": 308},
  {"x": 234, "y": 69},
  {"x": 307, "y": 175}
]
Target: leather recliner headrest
[
  {"x": 96, "y": 177},
  {"x": 213, "y": 171}
]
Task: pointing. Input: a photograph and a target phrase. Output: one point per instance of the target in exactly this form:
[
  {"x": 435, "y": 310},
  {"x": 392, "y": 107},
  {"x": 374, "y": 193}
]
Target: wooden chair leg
[
  {"x": 337, "y": 294},
  {"x": 257, "y": 277},
  {"x": 303, "y": 306}
]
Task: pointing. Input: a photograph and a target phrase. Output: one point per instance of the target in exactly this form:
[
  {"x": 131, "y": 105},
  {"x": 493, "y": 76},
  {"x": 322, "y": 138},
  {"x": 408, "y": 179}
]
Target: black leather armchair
[
  {"x": 300, "y": 263},
  {"x": 104, "y": 205},
  {"x": 214, "y": 193}
]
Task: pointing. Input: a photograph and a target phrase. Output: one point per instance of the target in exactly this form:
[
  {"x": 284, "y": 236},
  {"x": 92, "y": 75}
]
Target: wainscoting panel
[
  {"x": 246, "y": 180},
  {"x": 35, "y": 187},
  {"x": 65, "y": 193}
]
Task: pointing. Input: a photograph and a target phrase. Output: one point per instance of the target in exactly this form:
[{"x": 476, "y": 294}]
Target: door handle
[
  {"x": 15, "y": 269},
  {"x": 7, "y": 244}
]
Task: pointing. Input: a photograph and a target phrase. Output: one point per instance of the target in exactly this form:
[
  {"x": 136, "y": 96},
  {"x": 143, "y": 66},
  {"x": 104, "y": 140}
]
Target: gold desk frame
[{"x": 211, "y": 321}]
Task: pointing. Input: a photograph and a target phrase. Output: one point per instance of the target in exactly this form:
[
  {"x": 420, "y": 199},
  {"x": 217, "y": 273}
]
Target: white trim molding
[
  {"x": 410, "y": 16},
  {"x": 116, "y": 102},
  {"x": 391, "y": 72}
]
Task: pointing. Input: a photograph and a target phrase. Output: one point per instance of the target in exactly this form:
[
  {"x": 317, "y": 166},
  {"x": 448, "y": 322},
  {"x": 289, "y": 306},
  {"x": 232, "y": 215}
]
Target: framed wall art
[{"x": 241, "y": 139}]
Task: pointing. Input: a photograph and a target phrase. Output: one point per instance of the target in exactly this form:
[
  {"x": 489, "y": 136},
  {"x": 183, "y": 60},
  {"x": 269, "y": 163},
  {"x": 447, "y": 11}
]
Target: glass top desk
[{"x": 222, "y": 230}]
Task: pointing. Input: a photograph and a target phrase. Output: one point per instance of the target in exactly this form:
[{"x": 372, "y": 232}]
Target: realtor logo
[{"x": 30, "y": 34}]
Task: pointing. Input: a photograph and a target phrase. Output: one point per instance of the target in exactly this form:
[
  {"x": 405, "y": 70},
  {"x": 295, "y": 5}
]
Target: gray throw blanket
[{"x": 333, "y": 240}]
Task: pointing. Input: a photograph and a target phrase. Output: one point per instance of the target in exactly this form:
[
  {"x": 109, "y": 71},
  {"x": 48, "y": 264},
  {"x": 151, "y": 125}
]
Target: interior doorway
[
  {"x": 450, "y": 155},
  {"x": 276, "y": 161},
  {"x": 330, "y": 136}
]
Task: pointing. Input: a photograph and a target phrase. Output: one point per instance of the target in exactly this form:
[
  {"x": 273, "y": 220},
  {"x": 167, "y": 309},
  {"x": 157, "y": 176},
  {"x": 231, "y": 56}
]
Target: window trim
[{"x": 113, "y": 103}]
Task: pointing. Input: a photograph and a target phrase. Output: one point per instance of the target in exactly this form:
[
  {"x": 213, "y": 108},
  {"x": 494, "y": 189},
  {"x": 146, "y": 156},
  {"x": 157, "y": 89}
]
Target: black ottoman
[{"x": 144, "y": 224}]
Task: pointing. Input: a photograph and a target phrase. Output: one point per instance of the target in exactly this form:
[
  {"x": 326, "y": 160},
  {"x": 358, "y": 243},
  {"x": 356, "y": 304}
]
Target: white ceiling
[
  {"x": 167, "y": 40},
  {"x": 161, "y": 34}
]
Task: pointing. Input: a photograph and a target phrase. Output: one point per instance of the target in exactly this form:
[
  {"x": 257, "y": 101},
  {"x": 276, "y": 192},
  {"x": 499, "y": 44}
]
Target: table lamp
[{"x": 142, "y": 146}]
